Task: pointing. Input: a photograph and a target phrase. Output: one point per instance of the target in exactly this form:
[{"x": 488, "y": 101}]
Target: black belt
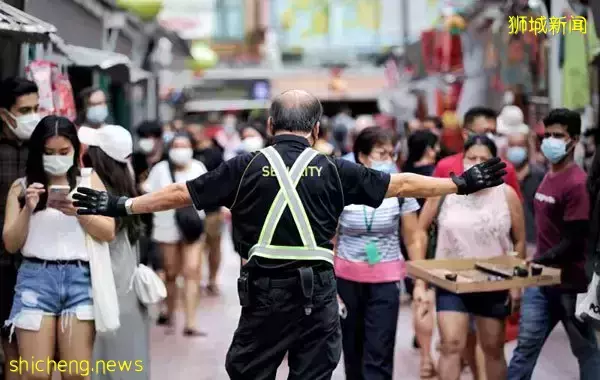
[
  {"x": 57, "y": 262},
  {"x": 265, "y": 282}
]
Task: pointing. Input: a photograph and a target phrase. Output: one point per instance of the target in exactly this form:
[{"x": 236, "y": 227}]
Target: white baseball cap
[
  {"x": 511, "y": 121},
  {"x": 114, "y": 140}
]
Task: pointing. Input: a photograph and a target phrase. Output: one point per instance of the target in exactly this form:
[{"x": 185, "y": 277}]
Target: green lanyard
[{"x": 369, "y": 223}]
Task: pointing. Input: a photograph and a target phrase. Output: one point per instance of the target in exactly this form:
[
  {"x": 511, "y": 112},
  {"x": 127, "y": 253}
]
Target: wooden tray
[{"x": 471, "y": 280}]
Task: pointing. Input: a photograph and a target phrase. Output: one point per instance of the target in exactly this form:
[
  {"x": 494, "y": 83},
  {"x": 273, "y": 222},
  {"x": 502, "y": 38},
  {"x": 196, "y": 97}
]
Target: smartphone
[{"x": 58, "y": 194}]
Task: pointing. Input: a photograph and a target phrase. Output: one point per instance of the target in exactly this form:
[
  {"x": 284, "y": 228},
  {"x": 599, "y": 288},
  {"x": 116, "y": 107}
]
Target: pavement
[{"x": 174, "y": 356}]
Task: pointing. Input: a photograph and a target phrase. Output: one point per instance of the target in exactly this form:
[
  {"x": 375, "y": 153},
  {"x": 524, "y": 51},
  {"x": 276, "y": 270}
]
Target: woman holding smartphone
[
  {"x": 109, "y": 150},
  {"x": 52, "y": 311}
]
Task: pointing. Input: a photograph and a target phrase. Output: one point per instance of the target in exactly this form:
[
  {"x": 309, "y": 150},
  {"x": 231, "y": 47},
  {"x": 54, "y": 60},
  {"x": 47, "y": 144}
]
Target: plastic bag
[
  {"x": 40, "y": 72},
  {"x": 588, "y": 307},
  {"x": 62, "y": 95}
]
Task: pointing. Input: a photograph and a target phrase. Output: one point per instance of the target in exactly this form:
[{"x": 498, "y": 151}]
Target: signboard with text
[{"x": 229, "y": 89}]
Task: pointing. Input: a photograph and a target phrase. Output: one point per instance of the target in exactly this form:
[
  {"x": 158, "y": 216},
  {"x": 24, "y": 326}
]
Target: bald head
[{"x": 295, "y": 111}]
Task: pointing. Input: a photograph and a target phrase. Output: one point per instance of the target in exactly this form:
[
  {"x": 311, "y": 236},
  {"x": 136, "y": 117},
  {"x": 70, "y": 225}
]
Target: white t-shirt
[{"x": 165, "y": 228}]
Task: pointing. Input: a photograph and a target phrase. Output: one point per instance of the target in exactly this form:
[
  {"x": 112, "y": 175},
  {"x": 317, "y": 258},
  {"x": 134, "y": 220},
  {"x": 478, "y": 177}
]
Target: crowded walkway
[{"x": 174, "y": 356}]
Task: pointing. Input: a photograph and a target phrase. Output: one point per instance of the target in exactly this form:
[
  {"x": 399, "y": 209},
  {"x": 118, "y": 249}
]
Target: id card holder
[{"x": 373, "y": 255}]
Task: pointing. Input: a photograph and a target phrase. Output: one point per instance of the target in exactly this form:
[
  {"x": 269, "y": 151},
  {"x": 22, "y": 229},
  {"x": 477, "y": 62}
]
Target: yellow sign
[{"x": 546, "y": 25}]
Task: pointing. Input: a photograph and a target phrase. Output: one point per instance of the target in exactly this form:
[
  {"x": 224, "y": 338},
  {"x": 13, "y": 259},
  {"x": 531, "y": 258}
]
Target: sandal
[
  {"x": 192, "y": 333},
  {"x": 163, "y": 320},
  {"x": 212, "y": 290},
  {"x": 415, "y": 343},
  {"x": 427, "y": 370}
]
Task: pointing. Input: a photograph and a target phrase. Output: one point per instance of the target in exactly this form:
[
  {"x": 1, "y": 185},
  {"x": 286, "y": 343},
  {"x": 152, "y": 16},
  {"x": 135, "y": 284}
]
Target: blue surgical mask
[
  {"x": 516, "y": 155},
  {"x": 554, "y": 149},
  {"x": 168, "y": 136},
  {"x": 97, "y": 114},
  {"x": 384, "y": 166}
]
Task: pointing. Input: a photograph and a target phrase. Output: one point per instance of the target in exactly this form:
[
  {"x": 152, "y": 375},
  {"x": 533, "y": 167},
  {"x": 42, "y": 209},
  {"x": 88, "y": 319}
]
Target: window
[{"x": 229, "y": 20}]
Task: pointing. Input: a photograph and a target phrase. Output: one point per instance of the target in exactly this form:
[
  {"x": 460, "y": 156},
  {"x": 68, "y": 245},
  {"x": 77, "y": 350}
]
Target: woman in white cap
[{"x": 108, "y": 153}]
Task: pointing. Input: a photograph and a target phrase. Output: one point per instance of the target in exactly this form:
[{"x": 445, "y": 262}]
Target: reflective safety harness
[{"x": 288, "y": 196}]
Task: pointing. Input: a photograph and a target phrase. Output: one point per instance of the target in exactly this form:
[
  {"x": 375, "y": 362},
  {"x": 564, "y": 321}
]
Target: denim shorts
[
  {"x": 487, "y": 304},
  {"x": 51, "y": 288}
]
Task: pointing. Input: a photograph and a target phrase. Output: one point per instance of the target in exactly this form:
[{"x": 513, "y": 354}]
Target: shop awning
[
  {"x": 138, "y": 75},
  {"x": 22, "y": 25},
  {"x": 88, "y": 57},
  {"x": 118, "y": 65}
]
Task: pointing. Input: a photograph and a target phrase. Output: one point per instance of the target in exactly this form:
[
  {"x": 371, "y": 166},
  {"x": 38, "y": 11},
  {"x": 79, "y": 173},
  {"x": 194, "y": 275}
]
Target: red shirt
[{"x": 454, "y": 164}]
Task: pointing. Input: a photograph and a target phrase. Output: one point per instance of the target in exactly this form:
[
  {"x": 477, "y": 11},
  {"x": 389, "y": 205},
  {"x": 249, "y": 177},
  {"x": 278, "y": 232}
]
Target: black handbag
[
  {"x": 188, "y": 221},
  {"x": 433, "y": 232}
]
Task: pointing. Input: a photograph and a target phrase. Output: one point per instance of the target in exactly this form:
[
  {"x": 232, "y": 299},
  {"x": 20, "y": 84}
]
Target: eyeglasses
[{"x": 381, "y": 155}]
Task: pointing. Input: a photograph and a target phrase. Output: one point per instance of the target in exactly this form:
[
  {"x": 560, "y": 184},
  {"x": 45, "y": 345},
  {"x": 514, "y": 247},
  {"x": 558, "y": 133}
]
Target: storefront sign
[{"x": 230, "y": 89}]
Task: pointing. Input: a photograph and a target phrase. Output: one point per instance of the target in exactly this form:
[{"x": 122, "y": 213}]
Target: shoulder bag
[
  {"x": 188, "y": 221},
  {"x": 104, "y": 291},
  {"x": 433, "y": 232},
  {"x": 146, "y": 284}
]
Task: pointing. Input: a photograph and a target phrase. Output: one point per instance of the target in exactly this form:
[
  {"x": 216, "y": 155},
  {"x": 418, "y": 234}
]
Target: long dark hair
[
  {"x": 118, "y": 181},
  {"x": 418, "y": 143},
  {"x": 48, "y": 127}
]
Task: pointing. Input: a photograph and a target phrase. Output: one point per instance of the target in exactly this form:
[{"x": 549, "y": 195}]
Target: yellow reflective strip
[
  {"x": 296, "y": 197},
  {"x": 276, "y": 200}
]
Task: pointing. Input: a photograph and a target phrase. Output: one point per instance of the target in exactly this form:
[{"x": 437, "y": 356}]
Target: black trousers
[
  {"x": 276, "y": 323},
  {"x": 369, "y": 330}
]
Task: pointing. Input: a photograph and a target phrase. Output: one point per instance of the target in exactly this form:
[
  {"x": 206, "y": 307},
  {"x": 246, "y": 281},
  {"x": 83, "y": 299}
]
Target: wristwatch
[{"x": 128, "y": 204}]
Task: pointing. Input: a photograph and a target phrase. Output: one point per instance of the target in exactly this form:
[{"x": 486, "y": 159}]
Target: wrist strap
[{"x": 460, "y": 183}]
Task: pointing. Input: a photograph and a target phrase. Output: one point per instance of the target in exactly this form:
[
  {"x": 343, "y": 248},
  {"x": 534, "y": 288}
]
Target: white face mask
[
  {"x": 56, "y": 164},
  {"x": 181, "y": 156},
  {"x": 252, "y": 144},
  {"x": 467, "y": 165},
  {"x": 146, "y": 145},
  {"x": 24, "y": 125}
]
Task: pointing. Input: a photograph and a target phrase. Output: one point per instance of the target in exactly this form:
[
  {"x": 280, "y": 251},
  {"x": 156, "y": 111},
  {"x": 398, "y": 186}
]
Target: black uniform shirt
[{"x": 247, "y": 186}]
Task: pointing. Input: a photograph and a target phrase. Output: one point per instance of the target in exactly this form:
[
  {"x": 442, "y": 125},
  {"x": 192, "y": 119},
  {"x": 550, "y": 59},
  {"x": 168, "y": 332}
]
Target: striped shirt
[{"x": 351, "y": 262}]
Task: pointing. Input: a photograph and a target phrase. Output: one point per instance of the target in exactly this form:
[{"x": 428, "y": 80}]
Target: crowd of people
[{"x": 543, "y": 214}]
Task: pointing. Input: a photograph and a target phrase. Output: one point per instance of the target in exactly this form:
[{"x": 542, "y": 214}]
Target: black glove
[
  {"x": 481, "y": 176},
  {"x": 94, "y": 202}
]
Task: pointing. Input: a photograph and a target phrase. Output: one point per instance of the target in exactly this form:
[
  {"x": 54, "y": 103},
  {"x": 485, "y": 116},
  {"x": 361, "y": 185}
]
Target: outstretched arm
[
  {"x": 170, "y": 197},
  {"x": 418, "y": 186},
  {"x": 481, "y": 176},
  {"x": 215, "y": 188}
]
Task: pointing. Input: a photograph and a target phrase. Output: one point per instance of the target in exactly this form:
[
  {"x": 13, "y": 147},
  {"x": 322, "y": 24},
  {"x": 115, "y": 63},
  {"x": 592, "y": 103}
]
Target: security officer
[{"x": 285, "y": 202}]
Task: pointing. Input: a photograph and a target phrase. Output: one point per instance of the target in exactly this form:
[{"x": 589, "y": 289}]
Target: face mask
[
  {"x": 24, "y": 125},
  {"x": 146, "y": 145},
  {"x": 56, "y": 164},
  {"x": 252, "y": 144},
  {"x": 384, "y": 166},
  {"x": 554, "y": 149},
  {"x": 517, "y": 155},
  {"x": 181, "y": 156},
  {"x": 168, "y": 136},
  {"x": 229, "y": 127},
  {"x": 467, "y": 165},
  {"x": 97, "y": 114}
]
